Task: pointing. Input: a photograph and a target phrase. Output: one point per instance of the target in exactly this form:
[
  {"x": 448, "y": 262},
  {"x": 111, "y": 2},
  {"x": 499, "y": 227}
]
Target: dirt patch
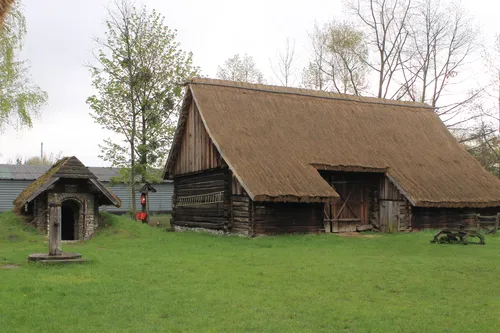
[
  {"x": 10, "y": 266},
  {"x": 357, "y": 234},
  {"x": 12, "y": 237}
]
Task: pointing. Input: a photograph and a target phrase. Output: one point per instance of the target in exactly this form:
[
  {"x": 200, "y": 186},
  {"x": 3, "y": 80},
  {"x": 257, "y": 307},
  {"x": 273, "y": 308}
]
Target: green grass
[
  {"x": 143, "y": 279},
  {"x": 161, "y": 220}
]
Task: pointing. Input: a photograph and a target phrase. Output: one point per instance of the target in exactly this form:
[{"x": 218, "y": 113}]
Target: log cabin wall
[
  {"x": 279, "y": 218},
  {"x": 197, "y": 151},
  {"x": 241, "y": 209},
  {"x": 241, "y": 215},
  {"x": 438, "y": 218},
  {"x": 203, "y": 199},
  {"x": 395, "y": 211}
]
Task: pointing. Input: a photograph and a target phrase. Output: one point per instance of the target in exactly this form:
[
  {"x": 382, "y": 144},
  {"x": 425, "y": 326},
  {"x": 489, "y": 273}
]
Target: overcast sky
[{"x": 59, "y": 44}]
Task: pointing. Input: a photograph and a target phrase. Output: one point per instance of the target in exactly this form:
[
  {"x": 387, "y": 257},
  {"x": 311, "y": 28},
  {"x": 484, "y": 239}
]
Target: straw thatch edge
[
  {"x": 5, "y": 6},
  {"x": 349, "y": 168},
  {"x": 306, "y": 92}
]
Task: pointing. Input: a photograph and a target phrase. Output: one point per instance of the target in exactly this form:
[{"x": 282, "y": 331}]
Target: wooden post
[
  {"x": 145, "y": 205},
  {"x": 54, "y": 229}
]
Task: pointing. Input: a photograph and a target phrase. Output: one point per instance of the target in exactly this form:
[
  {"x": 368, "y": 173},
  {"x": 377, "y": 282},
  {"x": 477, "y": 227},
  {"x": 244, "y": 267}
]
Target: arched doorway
[{"x": 70, "y": 211}]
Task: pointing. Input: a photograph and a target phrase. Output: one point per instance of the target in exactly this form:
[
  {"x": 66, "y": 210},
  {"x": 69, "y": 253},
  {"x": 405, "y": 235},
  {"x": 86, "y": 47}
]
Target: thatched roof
[
  {"x": 275, "y": 140},
  {"x": 65, "y": 168},
  {"x": 4, "y": 9}
]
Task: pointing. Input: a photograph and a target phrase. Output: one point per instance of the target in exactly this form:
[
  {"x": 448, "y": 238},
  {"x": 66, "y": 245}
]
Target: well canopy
[{"x": 65, "y": 168}]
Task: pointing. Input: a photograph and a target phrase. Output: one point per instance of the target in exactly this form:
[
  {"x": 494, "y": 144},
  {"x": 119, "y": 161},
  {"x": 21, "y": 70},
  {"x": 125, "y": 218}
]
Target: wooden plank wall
[
  {"x": 278, "y": 218},
  {"x": 197, "y": 151},
  {"x": 210, "y": 216},
  {"x": 395, "y": 210},
  {"x": 236, "y": 187},
  {"x": 438, "y": 218},
  {"x": 241, "y": 215}
]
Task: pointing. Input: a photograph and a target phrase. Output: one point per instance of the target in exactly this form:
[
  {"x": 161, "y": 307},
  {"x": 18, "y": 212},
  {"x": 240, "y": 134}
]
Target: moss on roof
[{"x": 67, "y": 168}]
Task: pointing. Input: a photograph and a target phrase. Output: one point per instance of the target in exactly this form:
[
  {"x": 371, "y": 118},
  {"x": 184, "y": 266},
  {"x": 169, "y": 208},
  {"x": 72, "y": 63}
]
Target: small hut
[
  {"x": 258, "y": 159},
  {"x": 74, "y": 191}
]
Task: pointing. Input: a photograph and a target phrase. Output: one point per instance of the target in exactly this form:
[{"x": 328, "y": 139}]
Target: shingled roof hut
[
  {"x": 262, "y": 159},
  {"x": 74, "y": 190}
]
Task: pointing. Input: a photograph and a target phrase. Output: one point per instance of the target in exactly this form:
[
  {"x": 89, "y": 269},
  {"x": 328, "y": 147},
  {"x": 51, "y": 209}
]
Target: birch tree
[
  {"x": 139, "y": 68},
  {"x": 339, "y": 59},
  {"x": 242, "y": 69}
]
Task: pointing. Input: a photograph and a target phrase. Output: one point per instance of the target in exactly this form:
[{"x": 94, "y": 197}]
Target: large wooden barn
[{"x": 258, "y": 159}]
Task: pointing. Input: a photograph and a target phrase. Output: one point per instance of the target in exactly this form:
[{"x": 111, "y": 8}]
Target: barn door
[{"x": 348, "y": 211}]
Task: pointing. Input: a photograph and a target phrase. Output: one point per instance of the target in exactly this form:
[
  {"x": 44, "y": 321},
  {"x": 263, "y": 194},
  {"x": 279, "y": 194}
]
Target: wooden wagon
[{"x": 462, "y": 234}]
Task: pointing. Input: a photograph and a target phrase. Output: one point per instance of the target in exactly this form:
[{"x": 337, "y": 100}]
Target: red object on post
[
  {"x": 141, "y": 216},
  {"x": 143, "y": 199}
]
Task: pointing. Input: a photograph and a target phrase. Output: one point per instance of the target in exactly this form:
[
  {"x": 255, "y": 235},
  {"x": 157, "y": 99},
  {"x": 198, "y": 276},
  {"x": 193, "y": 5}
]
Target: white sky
[{"x": 59, "y": 43}]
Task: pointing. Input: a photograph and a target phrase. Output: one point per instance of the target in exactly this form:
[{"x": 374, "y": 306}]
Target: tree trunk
[
  {"x": 132, "y": 174},
  {"x": 134, "y": 118},
  {"x": 143, "y": 158}
]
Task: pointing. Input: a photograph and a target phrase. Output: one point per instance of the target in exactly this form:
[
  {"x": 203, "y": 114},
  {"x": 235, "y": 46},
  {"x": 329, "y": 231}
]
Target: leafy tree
[
  {"x": 5, "y": 6},
  {"x": 137, "y": 79},
  {"x": 241, "y": 69},
  {"x": 45, "y": 160},
  {"x": 314, "y": 75},
  {"x": 20, "y": 99},
  {"x": 339, "y": 59}
]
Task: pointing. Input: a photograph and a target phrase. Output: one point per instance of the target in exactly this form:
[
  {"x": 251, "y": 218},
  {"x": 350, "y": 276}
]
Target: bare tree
[
  {"x": 441, "y": 39},
  {"x": 241, "y": 69},
  {"x": 313, "y": 75},
  {"x": 386, "y": 23},
  {"x": 491, "y": 56},
  {"x": 283, "y": 69},
  {"x": 481, "y": 141}
]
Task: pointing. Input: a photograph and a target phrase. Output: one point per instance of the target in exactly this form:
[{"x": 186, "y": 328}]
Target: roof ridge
[{"x": 306, "y": 92}]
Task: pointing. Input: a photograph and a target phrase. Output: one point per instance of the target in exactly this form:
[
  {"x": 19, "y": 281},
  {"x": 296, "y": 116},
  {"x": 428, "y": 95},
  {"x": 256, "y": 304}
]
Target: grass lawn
[{"x": 143, "y": 279}]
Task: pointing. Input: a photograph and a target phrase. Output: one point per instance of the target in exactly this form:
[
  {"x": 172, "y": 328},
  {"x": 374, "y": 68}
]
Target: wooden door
[
  {"x": 389, "y": 215},
  {"x": 349, "y": 210}
]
